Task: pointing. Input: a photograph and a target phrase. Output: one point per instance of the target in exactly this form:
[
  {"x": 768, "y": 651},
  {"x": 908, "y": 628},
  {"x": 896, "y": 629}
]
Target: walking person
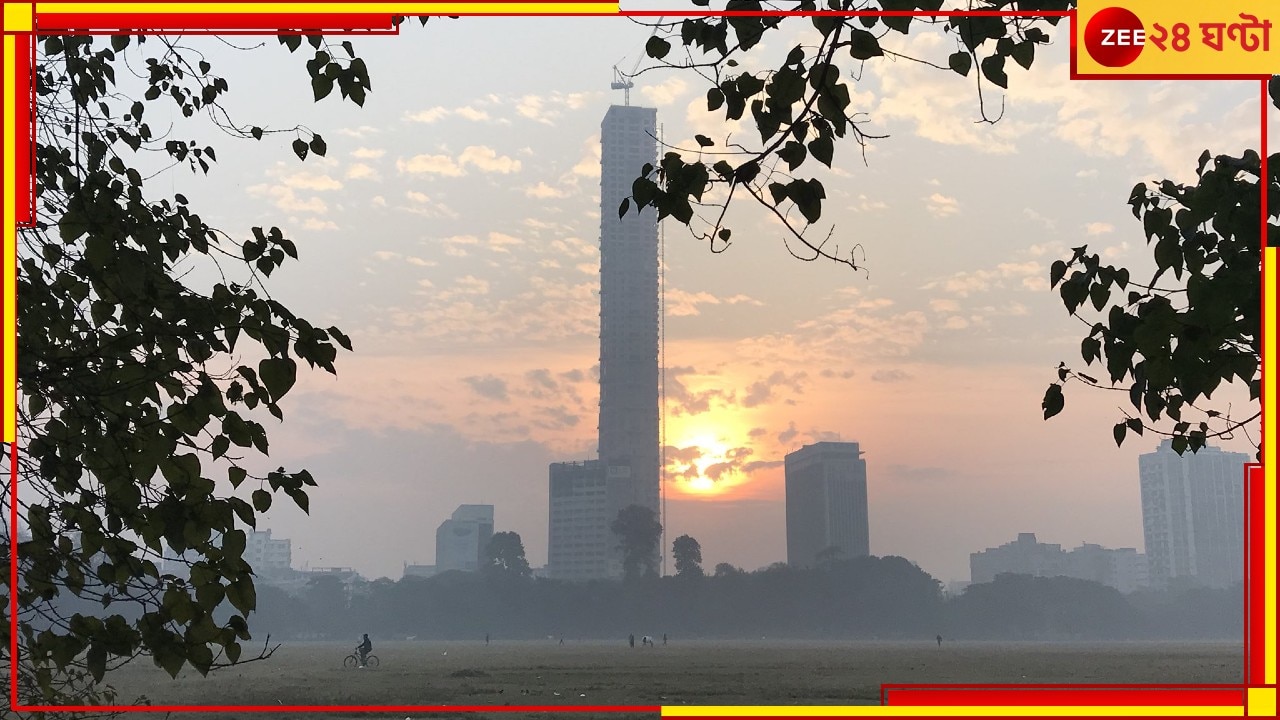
[{"x": 631, "y": 639}]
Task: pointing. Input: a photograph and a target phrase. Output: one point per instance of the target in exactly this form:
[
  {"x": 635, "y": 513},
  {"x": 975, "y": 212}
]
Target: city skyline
[{"x": 451, "y": 232}]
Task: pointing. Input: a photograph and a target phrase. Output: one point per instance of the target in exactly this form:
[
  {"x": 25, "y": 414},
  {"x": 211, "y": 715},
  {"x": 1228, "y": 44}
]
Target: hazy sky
[{"x": 452, "y": 232}]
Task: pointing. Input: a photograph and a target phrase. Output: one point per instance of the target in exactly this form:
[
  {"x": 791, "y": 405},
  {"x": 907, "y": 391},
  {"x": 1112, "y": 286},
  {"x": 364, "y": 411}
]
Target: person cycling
[{"x": 363, "y": 649}]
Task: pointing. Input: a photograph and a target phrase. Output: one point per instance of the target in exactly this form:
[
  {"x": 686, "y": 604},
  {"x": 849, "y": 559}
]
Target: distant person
[
  {"x": 664, "y": 639},
  {"x": 486, "y": 638},
  {"x": 939, "y": 641},
  {"x": 561, "y": 641},
  {"x": 631, "y": 640},
  {"x": 364, "y": 648}
]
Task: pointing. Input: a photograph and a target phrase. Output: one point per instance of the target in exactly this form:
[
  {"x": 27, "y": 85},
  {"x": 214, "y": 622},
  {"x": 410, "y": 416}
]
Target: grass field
[{"x": 682, "y": 673}]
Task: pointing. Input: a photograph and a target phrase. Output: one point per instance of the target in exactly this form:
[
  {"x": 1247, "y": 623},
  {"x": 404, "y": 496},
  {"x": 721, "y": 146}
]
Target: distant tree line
[{"x": 888, "y": 598}]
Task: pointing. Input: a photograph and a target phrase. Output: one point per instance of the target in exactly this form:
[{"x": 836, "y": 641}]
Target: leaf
[
  {"x": 715, "y": 98},
  {"x": 318, "y": 145},
  {"x": 278, "y": 375},
  {"x": 993, "y": 70},
  {"x": 863, "y": 45},
  {"x": 1273, "y": 89},
  {"x": 793, "y": 153},
  {"x": 703, "y": 141},
  {"x": 657, "y": 48},
  {"x": 1053, "y": 401},
  {"x": 623, "y": 207},
  {"x": 261, "y": 500},
  {"x": 340, "y": 338},
  {"x": 321, "y": 86},
  {"x": 236, "y": 475},
  {"x": 1024, "y": 53},
  {"x": 821, "y": 149},
  {"x": 961, "y": 62},
  {"x": 1056, "y": 272},
  {"x": 300, "y": 149},
  {"x": 256, "y": 132},
  {"x": 1118, "y": 433}
]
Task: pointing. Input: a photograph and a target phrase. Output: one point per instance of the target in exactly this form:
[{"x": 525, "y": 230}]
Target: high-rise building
[
  {"x": 586, "y": 497},
  {"x": 1193, "y": 515},
  {"x": 579, "y": 543},
  {"x": 629, "y": 426},
  {"x": 826, "y": 503},
  {"x": 461, "y": 540}
]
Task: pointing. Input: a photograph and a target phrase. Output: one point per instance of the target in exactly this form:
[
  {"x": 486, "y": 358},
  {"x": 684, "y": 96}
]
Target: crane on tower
[{"x": 622, "y": 81}]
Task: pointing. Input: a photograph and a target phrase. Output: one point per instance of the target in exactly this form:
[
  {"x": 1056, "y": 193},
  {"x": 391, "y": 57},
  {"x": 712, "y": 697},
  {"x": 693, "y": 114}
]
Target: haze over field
[{"x": 451, "y": 231}]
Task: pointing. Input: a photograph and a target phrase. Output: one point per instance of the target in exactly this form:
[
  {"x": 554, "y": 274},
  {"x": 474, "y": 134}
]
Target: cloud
[
  {"x": 543, "y": 191},
  {"x": 963, "y": 284},
  {"x": 1098, "y": 228},
  {"x": 284, "y": 198},
  {"x": 427, "y": 116},
  {"x": 469, "y": 113},
  {"x": 365, "y": 153},
  {"x": 666, "y": 92},
  {"x": 316, "y": 224},
  {"x": 942, "y": 206},
  {"x": 304, "y": 180},
  {"x": 430, "y": 164},
  {"x": 487, "y": 159},
  {"x": 361, "y": 171},
  {"x": 955, "y": 322},
  {"x": 589, "y": 164},
  {"x": 501, "y": 242},
  {"x": 762, "y": 391},
  {"x": 890, "y": 375},
  {"x": 362, "y": 131},
  {"x": 680, "y": 303},
  {"x": 417, "y": 197},
  {"x": 488, "y": 386}
]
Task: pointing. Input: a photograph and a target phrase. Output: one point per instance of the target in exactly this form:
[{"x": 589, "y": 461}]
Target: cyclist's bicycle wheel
[
  {"x": 350, "y": 661},
  {"x": 372, "y": 661}
]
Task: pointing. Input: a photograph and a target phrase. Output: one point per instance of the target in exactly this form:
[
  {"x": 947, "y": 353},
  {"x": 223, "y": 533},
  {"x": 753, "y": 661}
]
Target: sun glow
[{"x": 706, "y": 462}]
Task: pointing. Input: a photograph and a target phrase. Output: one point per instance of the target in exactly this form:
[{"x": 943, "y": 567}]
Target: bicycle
[{"x": 353, "y": 660}]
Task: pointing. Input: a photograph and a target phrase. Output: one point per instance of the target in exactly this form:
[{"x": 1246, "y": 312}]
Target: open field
[{"x": 682, "y": 673}]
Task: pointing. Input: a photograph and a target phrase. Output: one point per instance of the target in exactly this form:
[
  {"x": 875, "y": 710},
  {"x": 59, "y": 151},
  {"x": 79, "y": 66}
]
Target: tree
[
  {"x": 138, "y": 426},
  {"x": 688, "y": 556},
  {"x": 829, "y": 555},
  {"x": 504, "y": 556},
  {"x": 802, "y": 108},
  {"x": 725, "y": 569},
  {"x": 1170, "y": 344},
  {"x": 639, "y": 533}
]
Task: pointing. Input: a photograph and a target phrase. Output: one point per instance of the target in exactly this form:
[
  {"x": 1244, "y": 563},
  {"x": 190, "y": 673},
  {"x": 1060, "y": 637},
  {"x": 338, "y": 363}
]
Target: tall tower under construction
[
  {"x": 585, "y": 497},
  {"x": 629, "y": 310}
]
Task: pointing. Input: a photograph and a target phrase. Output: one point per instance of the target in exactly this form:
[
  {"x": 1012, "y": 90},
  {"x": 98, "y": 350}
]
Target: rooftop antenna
[{"x": 622, "y": 81}]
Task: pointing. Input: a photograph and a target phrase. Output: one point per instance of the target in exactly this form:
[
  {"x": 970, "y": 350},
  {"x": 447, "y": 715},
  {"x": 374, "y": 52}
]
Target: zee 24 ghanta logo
[{"x": 1115, "y": 37}]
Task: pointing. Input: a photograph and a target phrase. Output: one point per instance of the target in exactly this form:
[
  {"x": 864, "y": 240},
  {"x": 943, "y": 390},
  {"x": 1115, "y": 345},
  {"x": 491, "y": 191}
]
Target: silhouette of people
[
  {"x": 486, "y": 638},
  {"x": 364, "y": 648},
  {"x": 561, "y": 641},
  {"x": 939, "y": 641},
  {"x": 631, "y": 640},
  {"x": 664, "y": 638}
]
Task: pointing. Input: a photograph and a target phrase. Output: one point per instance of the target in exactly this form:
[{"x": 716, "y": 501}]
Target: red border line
[{"x": 952, "y": 694}]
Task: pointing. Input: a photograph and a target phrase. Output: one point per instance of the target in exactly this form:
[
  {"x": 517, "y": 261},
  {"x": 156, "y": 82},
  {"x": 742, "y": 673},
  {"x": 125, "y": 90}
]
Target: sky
[{"x": 452, "y": 232}]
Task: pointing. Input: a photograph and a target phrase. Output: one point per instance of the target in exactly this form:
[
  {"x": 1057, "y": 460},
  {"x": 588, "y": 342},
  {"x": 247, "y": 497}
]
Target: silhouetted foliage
[
  {"x": 688, "y": 556},
  {"x": 638, "y": 532},
  {"x": 504, "y": 556},
  {"x": 866, "y": 597}
]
